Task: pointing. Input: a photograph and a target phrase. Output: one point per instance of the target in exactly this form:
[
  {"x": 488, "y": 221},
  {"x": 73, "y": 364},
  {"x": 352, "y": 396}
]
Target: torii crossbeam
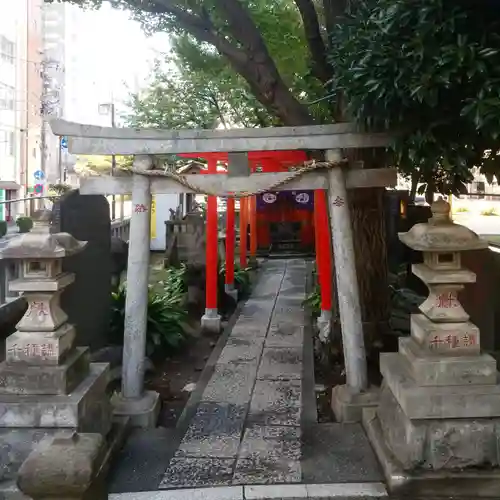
[{"x": 144, "y": 144}]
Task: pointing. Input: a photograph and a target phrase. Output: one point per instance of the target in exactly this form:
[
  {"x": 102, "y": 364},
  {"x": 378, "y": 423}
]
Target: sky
[{"x": 114, "y": 57}]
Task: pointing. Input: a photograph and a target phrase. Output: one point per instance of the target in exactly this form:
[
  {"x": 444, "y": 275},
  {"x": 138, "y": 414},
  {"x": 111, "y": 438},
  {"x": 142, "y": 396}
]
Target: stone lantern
[
  {"x": 43, "y": 335},
  {"x": 47, "y": 385},
  {"x": 439, "y": 410}
]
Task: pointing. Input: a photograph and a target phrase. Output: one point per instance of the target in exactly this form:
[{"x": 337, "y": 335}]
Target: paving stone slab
[
  {"x": 338, "y": 453},
  {"x": 272, "y": 471},
  {"x": 214, "y": 432},
  {"x": 249, "y": 329},
  {"x": 140, "y": 465},
  {"x": 281, "y": 363},
  {"x": 276, "y": 403},
  {"x": 285, "y": 335},
  {"x": 231, "y": 384},
  {"x": 197, "y": 472},
  {"x": 269, "y": 443},
  {"x": 293, "y": 292},
  {"x": 244, "y": 351},
  {"x": 257, "y": 307}
]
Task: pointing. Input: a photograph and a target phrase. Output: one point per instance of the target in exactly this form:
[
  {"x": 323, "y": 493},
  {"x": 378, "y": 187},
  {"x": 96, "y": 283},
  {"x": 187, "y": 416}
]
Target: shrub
[
  {"x": 25, "y": 224},
  {"x": 313, "y": 301},
  {"x": 173, "y": 286},
  {"x": 166, "y": 315},
  {"x": 462, "y": 210},
  {"x": 3, "y": 228},
  {"x": 241, "y": 279},
  {"x": 489, "y": 212}
]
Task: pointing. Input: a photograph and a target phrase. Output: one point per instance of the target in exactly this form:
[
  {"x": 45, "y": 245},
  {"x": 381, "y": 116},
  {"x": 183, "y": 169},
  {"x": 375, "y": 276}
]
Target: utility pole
[
  {"x": 113, "y": 165},
  {"x": 106, "y": 109},
  {"x": 27, "y": 111},
  {"x": 59, "y": 161}
]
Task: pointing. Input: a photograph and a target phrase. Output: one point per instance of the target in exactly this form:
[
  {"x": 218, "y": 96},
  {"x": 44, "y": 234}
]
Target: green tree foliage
[
  {"x": 197, "y": 88},
  {"x": 186, "y": 96},
  {"x": 431, "y": 71}
]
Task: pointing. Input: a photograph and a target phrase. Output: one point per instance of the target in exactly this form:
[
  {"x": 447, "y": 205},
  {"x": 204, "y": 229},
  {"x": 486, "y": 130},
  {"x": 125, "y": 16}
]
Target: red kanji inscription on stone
[
  {"x": 435, "y": 342},
  {"x": 452, "y": 341},
  {"x": 446, "y": 300},
  {"x": 37, "y": 308},
  {"x": 140, "y": 208},
  {"x": 469, "y": 340},
  {"x": 47, "y": 351},
  {"x": 338, "y": 202}
]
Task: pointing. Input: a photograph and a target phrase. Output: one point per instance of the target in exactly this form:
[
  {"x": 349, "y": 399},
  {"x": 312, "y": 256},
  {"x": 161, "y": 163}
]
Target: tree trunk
[
  {"x": 367, "y": 215},
  {"x": 269, "y": 88}
]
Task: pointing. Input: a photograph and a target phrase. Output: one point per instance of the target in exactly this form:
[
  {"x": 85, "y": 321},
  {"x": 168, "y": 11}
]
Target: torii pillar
[
  {"x": 211, "y": 320},
  {"x": 252, "y": 216},
  {"x": 323, "y": 262}
]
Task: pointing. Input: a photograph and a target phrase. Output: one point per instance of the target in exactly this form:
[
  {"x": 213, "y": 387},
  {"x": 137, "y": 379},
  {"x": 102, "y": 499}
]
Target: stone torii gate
[{"x": 140, "y": 405}]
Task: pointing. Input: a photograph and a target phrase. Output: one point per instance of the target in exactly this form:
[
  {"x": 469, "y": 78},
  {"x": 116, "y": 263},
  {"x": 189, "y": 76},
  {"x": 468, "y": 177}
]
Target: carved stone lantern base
[
  {"x": 47, "y": 385},
  {"x": 437, "y": 426},
  {"x": 436, "y": 430}
]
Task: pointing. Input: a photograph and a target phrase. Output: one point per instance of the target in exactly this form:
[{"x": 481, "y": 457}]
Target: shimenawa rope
[{"x": 181, "y": 179}]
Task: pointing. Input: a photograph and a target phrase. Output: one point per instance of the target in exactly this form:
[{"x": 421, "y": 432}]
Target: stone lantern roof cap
[
  {"x": 40, "y": 243},
  {"x": 441, "y": 234}
]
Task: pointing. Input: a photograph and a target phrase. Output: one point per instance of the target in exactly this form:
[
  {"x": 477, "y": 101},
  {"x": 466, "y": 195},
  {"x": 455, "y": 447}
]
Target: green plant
[
  {"x": 489, "y": 212},
  {"x": 173, "y": 286},
  {"x": 241, "y": 278},
  {"x": 166, "y": 316},
  {"x": 25, "y": 224},
  {"x": 313, "y": 301},
  {"x": 428, "y": 70},
  {"x": 57, "y": 190},
  {"x": 462, "y": 210},
  {"x": 3, "y": 228}
]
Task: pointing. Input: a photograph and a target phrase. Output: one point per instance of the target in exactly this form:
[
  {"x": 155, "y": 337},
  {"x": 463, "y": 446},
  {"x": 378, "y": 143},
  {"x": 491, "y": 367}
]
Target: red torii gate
[{"x": 268, "y": 161}]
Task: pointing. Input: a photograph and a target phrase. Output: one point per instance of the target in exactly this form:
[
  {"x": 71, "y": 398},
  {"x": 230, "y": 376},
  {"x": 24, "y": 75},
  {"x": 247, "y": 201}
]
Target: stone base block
[
  {"x": 40, "y": 348},
  {"x": 348, "y": 407},
  {"x": 418, "y": 483},
  {"x": 447, "y": 370},
  {"x": 232, "y": 292},
  {"x": 445, "y": 339},
  {"x": 142, "y": 412},
  {"x": 86, "y": 409},
  {"x": 459, "y": 401},
  {"x": 17, "y": 444},
  {"x": 324, "y": 325},
  {"x": 253, "y": 263},
  {"x": 68, "y": 467},
  {"x": 211, "y": 321},
  {"x": 19, "y": 378},
  {"x": 438, "y": 444}
]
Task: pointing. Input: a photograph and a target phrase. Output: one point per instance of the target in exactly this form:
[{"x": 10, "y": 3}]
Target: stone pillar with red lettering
[
  {"x": 437, "y": 427},
  {"x": 47, "y": 384}
]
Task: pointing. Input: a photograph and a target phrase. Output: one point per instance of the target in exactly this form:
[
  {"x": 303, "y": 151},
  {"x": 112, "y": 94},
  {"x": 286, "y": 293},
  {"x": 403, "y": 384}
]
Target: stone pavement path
[
  {"x": 247, "y": 427},
  {"x": 251, "y": 425}
]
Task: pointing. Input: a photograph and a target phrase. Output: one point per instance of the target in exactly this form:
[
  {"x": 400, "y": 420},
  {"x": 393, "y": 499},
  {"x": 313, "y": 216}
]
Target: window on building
[
  {"x": 11, "y": 144},
  {"x": 7, "y": 96},
  {"x": 6, "y": 50},
  {"x": 7, "y": 143}
]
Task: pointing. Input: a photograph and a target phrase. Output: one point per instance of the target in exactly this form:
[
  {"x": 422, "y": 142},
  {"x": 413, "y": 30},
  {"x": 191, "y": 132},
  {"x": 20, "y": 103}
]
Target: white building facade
[{"x": 20, "y": 92}]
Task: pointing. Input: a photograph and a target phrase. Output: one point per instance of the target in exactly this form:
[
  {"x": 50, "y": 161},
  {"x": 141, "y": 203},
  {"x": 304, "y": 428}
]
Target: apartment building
[
  {"x": 20, "y": 92},
  {"x": 54, "y": 81}
]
